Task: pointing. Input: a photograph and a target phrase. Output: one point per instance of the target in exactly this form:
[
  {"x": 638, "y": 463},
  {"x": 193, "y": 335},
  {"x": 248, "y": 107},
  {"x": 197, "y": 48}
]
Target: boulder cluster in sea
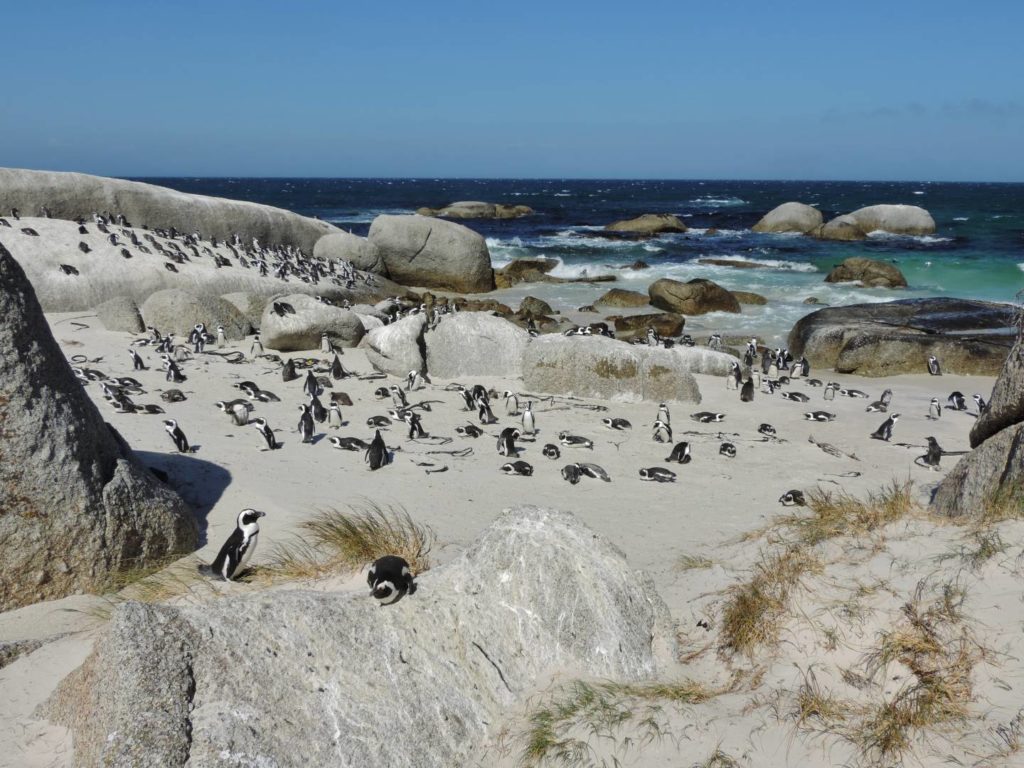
[{"x": 806, "y": 220}]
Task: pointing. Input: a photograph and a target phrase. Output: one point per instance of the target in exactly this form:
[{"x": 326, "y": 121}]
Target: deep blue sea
[{"x": 977, "y": 250}]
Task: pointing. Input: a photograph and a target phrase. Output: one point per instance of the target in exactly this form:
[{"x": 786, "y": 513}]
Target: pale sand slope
[{"x": 714, "y": 501}]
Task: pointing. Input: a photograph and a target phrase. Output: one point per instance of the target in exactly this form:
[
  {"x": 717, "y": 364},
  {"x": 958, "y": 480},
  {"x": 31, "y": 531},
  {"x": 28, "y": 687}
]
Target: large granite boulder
[
  {"x": 424, "y": 682},
  {"x": 75, "y": 504},
  {"x": 894, "y": 219},
  {"x": 1006, "y": 405},
  {"x": 475, "y": 344},
  {"x": 993, "y": 473},
  {"x": 104, "y": 273},
  {"x": 397, "y": 348},
  {"x": 790, "y": 217},
  {"x": 175, "y": 311},
  {"x": 648, "y": 224},
  {"x": 433, "y": 253},
  {"x": 628, "y": 327},
  {"x": 525, "y": 271},
  {"x": 694, "y": 297},
  {"x": 70, "y": 195},
  {"x": 471, "y": 209},
  {"x": 358, "y": 251},
  {"x": 617, "y": 297},
  {"x": 868, "y": 272},
  {"x": 251, "y": 305},
  {"x": 598, "y": 367},
  {"x": 749, "y": 297},
  {"x": 120, "y": 314},
  {"x": 898, "y": 336},
  {"x": 304, "y": 328},
  {"x": 531, "y": 305}
]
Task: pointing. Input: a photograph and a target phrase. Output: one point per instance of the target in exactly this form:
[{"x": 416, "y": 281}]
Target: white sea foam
[
  {"x": 961, "y": 218},
  {"x": 1021, "y": 266},
  {"x": 718, "y": 202},
  {"x": 778, "y": 264},
  {"x": 879, "y": 234},
  {"x": 918, "y": 192}
]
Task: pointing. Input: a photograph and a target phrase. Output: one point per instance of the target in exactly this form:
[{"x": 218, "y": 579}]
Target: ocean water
[{"x": 976, "y": 252}]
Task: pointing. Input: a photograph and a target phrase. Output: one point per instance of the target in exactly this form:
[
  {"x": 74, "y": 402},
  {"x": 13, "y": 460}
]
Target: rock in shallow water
[
  {"x": 422, "y": 682},
  {"x": 694, "y": 297}
]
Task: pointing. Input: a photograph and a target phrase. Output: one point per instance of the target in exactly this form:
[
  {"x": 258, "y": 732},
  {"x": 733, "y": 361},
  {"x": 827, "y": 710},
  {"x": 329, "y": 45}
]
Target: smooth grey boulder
[
  {"x": 304, "y": 329},
  {"x": 120, "y": 314},
  {"x": 397, "y": 348},
  {"x": 1006, "y": 404},
  {"x": 251, "y": 305},
  {"x": 178, "y": 312},
  {"x": 598, "y": 367},
  {"x": 790, "y": 217},
  {"x": 475, "y": 344},
  {"x": 869, "y": 272},
  {"x": 894, "y": 219},
  {"x": 694, "y": 297},
  {"x": 628, "y": 327},
  {"x": 104, "y": 273},
  {"x": 358, "y": 251},
  {"x": 534, "y": 306},
  {"x": 992, "y": 472},
  {"x": 70, "y": 195},
  {"x": 648, "y": 224},
  {"x": 75, "y": 504},
  {"x": 897, "y": 337},
  {"x": 334, "y": 679},
  {"x": 471, "y": 209},
  {"x": 433, "y": 253}
]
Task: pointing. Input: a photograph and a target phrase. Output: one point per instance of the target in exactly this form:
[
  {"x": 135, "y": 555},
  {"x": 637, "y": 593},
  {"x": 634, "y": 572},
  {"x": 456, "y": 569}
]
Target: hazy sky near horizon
[{"x": 787, "y": 90}]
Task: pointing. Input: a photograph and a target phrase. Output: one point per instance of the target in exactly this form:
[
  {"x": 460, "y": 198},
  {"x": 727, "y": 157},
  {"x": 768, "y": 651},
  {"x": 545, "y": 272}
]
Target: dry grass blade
[
  {"x": 834, "y": 514},
  {"x": 756, "y": 608},
  {"x": 1006, "y": 504},
  {"x": 718, "y": 759},
  {"x": 693, "y": 562},
  {"x": 559, "y": 730},
  {"x": 334, "y": 541}
]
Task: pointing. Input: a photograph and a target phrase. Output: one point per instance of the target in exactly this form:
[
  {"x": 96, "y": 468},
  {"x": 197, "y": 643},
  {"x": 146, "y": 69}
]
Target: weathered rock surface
[
  {"x": 468, "y": 209},
  {"x": 898, "y": 336},
  {"x": 536, "y": 271},
  {"x": 694, "y": 297},
  {"x": 1006, "y": 404},
  {"x": 747, "y": 297},
  {"x": 790, "y": 217},
  {"x": 175, "y": 311},
  {"x": 537, "y": 591},
  {"x": 104, "y": 273},
  {"x": 70, "y": 195},
  {"x": 433, "y": 253},
  {"x": 648, "y": 224},
  {"x": 872, "y": 273},
  {"x": 251, "y": 305},
  {"x": 358, "y": 251},
  {"x": 475, "y": 344},
  {"x": 617, "y": 297},
  {"x": 993, "y": 471},
  {"x": 628, "y": 327},
  {"x": 75, "y": 504},
  {"x": 397, "y": 348},
  {"x": 595, "y": 366},
  {"x": 120, "y": 314},
  {"x": 304, "y": 328},
  {"x": 534, "y": 306},
  {"x": 894, "y": 219}
]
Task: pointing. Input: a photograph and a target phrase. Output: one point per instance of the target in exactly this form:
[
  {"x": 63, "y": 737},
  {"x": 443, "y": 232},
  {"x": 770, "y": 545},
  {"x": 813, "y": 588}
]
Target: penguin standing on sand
[
  {"x": 238, "y": 549},
  {"x": 933, "y": 366},
  {"x": 934, "y": 409},
  {"x": 389, "y": 578},
  {"x": 334, "y": 417},
  {"x": 680, "y": 453},
  {"x": 884, "y": 432},
  {"x": 529, "y": 423},
  {"x": 311, "y": 386},
  {"x": 306, "y": 426},
  {"x": 137, "y": 363},
  {"x": 197, "y": 338},
  {"x": 257, "y": 348},
  {"x": 933, "y": 457},
  {"x": 377, "y": 454},
  {"x": 267, "y": 433},
  {"x": 747, "y": 391},
  {"x": 326, "y": 347},
  {"x": 511, "y": 403},
  {"x": 507, "y": 441},
  {"x": 221, "y": 337},
  {"x": 180, "y": 441},
  {"x": 734, "y": 377}
]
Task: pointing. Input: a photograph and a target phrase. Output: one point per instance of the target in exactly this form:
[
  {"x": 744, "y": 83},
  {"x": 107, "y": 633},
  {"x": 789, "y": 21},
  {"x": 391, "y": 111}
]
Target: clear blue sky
[{"x": 816, "y": 90}]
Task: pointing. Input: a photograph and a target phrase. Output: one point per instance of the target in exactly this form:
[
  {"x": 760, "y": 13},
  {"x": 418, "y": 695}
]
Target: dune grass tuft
[
  {"x": 334, "y": 540},
  {"x": 718, "y": 759},
  {"x": 693, "y": 562},
  {"x": 834, "y": 514},
  {"x": 559, "y": 731},
  {"x": 1005, "y": 504},
  {"x": 755, "y": 609}
]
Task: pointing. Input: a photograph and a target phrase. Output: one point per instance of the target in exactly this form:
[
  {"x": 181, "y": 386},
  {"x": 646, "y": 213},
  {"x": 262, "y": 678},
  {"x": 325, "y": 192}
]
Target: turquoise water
[{"x": 976, "y": 252}]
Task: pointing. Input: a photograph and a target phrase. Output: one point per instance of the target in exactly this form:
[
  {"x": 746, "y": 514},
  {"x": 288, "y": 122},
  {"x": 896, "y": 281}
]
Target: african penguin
[
  {"x": 884, "y": 432},
  {"x": 680, "y": 453},
  {"x": 267, "y": 433},
  {"x": 933, "y": 366},
  {"x": 519, "y": 468},
  {"x": 180, "y": 441},
  {"x": 390, "y": 578},
  {"x": 793, "y": 499},
  {"x": 657, "y": 475},
  {"x": 551, "y": 451},
  {"x": 377, "y": 454},
  {"x": 238, "y": 549}
]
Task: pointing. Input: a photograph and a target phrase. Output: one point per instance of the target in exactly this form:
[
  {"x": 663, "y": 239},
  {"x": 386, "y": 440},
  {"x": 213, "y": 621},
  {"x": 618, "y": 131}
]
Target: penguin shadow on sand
[{"x": 200, "y": 483}]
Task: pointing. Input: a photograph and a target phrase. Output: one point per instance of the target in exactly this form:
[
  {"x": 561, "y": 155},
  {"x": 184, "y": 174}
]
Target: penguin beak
[{"x": 261, "y": 514}]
